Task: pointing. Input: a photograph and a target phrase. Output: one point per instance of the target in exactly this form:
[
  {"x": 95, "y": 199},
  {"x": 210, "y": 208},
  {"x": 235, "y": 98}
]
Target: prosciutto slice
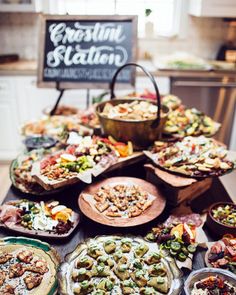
[
  {"x": 10, "y": 215},
  {"x": 193, "y": 218}
]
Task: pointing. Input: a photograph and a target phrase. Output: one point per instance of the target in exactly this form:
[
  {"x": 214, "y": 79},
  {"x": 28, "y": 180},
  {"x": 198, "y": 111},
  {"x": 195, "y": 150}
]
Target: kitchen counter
[
  {"x": 197, "y": 73},
  {"x": 29, "y": 67},
  {"x": 21, "y": 68}
]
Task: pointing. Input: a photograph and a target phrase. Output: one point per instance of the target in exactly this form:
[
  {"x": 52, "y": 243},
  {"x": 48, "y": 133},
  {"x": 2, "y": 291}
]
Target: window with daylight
[{"x": 163, "y": 15}]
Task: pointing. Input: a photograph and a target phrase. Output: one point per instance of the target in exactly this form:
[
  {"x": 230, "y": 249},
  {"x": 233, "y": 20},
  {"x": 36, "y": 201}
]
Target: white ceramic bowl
[{"x": 202, "y": 273}]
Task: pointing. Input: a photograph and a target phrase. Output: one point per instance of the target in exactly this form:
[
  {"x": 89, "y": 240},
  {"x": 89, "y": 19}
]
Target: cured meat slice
[
  {"x": 194, "y": 219},
  {"x": 217, "y": 248},
  {"x": 231, "y": 250},
  {"x": 10, "y": 215}
]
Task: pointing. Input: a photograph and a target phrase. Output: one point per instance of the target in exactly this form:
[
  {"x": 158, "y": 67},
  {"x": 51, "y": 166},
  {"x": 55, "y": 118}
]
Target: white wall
[{"x": 202, "y": 36}]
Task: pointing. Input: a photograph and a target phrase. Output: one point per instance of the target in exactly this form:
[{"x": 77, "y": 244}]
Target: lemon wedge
[
  {"x": 64, "y": 216},
  {"x": 68, "y": 158},
  {"x": 57, "y": 209}
]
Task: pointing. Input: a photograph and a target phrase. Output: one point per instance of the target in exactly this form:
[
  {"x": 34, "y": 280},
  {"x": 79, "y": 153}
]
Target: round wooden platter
[{"x": 149, "y": 214}]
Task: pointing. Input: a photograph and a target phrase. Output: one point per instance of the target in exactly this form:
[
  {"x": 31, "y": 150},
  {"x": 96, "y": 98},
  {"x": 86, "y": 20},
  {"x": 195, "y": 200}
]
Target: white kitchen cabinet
[
  {"x": 8, "y": 132},
  {"x": 212, "y": 8},
  {"x": 22, "y": 101},
  {"x": 34, "y": 100},
  {"x": 232, "y": 145},
  {"x": 21, "y": 6},
  {"x": 9, "y": 136}
]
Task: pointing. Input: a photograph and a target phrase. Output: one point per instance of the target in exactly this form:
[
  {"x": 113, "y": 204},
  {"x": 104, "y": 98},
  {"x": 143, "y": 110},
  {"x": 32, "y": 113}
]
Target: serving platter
[
  {"x": 223, "y": 254},
  {"x": 185, "y": 121},
  {"x": 127, "y": 252},
  {"x": 16, "y": 227},
  {"x": 36, "y": 189},
  {"x": 87, "y": 207},
  {"x": 26, "y": 183},
  {"x": 57, "y": 127},
  {"x": 108, "y": 163},
  {"x": 38, "y": 233},
  {"x": 25, "y": 259},
  {"x": 152, "y": 157},
  {"x": 198, "y": 155},
  {"x": 210, "y": 274},
  {"x": 181, "y": 235},
  {"x": 77, "y": 162}
]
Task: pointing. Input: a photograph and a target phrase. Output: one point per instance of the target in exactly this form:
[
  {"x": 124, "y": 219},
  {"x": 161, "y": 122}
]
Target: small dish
[
  {"x": 222, "y": 254},
  {"x": 39, "y": 141},
  {"x": 203, "y": 273},
  {"x": 218, "y": 228}
]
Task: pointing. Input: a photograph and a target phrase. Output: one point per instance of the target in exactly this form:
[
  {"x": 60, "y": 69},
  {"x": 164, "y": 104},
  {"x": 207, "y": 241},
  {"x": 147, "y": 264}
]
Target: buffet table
[
  {"x": 126, "y": 196},
  {"x": 88, "y": 228}
]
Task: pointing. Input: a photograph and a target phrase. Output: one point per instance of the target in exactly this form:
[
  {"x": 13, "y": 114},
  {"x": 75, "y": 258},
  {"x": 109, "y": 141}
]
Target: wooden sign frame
[{"x": 83, "y": 85}]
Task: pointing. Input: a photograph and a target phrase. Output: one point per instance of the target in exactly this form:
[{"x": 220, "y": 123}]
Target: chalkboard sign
[{"x": 85, "y": 51}]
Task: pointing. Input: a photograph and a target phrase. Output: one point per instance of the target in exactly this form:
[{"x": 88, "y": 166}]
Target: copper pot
[{"x": 141, "y": 133}]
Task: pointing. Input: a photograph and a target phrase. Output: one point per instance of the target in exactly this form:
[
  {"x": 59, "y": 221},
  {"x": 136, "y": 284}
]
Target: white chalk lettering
[
  {"x": 61, "y": 33},
  {"x": 101, "y": 55}
]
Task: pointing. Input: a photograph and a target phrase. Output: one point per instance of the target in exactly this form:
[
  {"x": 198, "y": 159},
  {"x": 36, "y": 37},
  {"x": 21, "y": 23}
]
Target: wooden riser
[{"x": 176, "y": 189}]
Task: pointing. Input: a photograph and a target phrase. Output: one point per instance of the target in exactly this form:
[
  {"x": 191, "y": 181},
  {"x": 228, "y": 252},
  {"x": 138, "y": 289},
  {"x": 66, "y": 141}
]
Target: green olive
[
  {"x": 35, "y": 211},
  {"x": 23, "y": 223},
  {"x": 26, "y": 217},
  {"x": 31, "y": 205}
]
